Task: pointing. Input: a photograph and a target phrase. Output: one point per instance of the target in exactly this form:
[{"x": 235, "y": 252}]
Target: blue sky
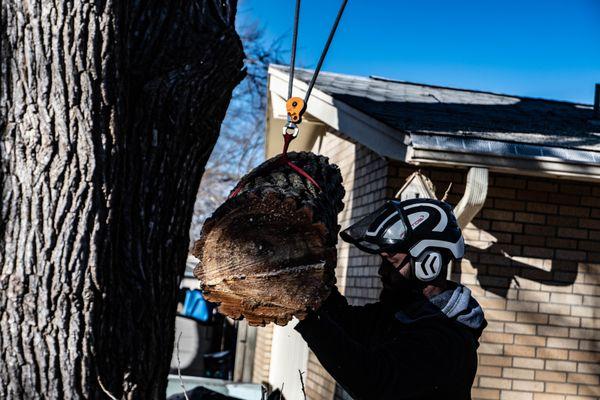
[{"x": 548, "y": 49}]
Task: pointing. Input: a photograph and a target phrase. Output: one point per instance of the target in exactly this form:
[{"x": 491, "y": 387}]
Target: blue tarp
[{"x": 194, "y": 306}]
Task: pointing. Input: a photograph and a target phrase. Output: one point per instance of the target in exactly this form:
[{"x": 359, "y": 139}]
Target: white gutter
[
  {"x": 428, "y": 149},
  {"x": 561, "y": 169}
]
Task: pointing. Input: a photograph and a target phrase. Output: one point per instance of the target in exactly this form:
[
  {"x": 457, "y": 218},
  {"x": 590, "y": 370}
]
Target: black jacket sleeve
[
  {"x": 414, "y": 364},
  {"x": 355, "y": 321}
]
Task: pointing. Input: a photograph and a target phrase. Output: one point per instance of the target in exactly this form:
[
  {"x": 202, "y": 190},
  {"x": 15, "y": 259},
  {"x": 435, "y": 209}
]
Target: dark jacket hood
[{"x": 456, "y": 303}]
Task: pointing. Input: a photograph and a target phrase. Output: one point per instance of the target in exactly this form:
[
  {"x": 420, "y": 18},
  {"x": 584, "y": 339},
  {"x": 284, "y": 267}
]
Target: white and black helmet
[{"x": 425, "y": 229}]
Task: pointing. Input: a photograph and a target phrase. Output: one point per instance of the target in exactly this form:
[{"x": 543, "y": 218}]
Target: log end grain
[{"x": 269, "y": 254}]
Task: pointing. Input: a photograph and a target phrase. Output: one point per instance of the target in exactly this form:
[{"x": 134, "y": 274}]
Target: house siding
[
  {"x": 533, "y": 262},
  {"x": 262, "y": 355},
  {"x": 364, "y": 174},
  {"x": 539, "y": 283}
]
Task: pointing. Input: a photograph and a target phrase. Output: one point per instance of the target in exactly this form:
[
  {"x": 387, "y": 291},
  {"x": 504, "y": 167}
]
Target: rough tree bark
[
  {"x": 268, "y": 253},
  {"x": 109, "y": 111}
]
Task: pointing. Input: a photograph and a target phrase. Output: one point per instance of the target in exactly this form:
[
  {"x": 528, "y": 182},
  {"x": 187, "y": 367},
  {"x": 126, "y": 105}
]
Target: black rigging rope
[
  {"x": 323, "y": 53},
  {"x": 294, "y": 42}
]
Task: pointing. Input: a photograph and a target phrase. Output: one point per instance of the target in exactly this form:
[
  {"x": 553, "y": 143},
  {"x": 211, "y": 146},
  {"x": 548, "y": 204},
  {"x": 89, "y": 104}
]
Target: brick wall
[
  {"x": 533, "y": 262},
  {"x": 364, "y": 175},
  {"x": 534, "y": 265},
  {"x": 369, "y": 192},
  {"x": 262, "y": 354},
  {"x": 319, "y": 384}
]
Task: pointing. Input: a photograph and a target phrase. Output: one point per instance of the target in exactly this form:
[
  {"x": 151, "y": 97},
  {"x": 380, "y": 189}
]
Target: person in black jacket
[{"x": 420, "y": 340}]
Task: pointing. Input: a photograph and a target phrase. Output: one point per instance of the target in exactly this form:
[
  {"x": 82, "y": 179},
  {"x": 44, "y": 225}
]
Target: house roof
[
  {"x": 470, "y": 114},
  {"x": 432, "y": 125}
]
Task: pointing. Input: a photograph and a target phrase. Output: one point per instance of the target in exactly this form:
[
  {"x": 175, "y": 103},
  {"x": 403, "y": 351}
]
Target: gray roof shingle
[{"x": 427, "y": 109}]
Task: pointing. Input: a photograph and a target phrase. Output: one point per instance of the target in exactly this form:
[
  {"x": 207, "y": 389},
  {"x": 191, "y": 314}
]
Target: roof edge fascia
[
  {"x": 377, "y": 136},
  {"x": 403, "y": 146}
]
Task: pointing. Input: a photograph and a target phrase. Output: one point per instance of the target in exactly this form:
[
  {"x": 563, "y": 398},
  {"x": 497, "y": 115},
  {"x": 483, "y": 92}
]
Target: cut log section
[{"x": 268, "y": 253}]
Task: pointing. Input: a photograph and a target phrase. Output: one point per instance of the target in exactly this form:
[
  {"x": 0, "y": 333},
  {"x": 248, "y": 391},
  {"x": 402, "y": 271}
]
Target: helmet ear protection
[
  {"x": 428, "y": 266},
  {"x": 433, "y": 262}
]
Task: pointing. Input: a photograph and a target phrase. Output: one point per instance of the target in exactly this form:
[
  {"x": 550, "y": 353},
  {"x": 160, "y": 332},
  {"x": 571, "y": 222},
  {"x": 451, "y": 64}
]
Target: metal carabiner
[{"x": 290, "y": 128}]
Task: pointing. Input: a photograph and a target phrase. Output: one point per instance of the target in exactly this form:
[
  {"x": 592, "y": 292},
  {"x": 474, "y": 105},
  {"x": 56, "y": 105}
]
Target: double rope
[
  {"x": 311, "y": 84},
  {"x": 296, "y": 106}
]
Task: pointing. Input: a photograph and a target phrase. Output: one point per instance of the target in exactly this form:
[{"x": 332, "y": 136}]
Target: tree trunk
[
  {"x": 268, "y": 253},
  {"x": 109, "y": 111}
]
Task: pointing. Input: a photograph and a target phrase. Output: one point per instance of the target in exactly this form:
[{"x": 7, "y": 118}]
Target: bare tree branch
[
  {"x": 179, "y": 368},
  {"x": 109, "y": 394},
  {"x": 302, "y": 383}
]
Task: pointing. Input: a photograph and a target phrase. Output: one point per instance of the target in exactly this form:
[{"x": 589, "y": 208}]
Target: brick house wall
[
  {"x": 533, "y": 263},
  {"x": 262, "y": 354},
  {"x": 364, "y": 174}
]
